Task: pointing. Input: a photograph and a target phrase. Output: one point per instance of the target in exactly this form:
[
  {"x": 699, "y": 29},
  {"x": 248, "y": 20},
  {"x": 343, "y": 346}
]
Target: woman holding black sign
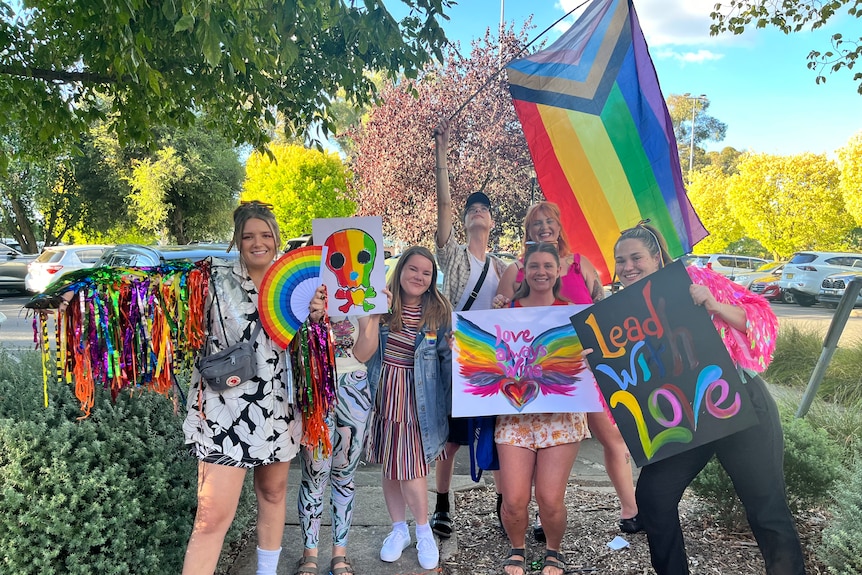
[
  {"x": 252, "y": 424},
  {"x": 537, "y": 446},
  {"x": 753, "y": 458}
]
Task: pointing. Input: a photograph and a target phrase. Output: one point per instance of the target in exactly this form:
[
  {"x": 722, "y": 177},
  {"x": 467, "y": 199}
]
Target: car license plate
[
  {"x": 830, "y": 291},
  {"x": 789, "y": 276}
]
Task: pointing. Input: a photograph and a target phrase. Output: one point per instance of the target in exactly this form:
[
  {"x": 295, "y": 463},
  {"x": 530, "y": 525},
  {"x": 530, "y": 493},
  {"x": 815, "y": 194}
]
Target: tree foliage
[
  {"x": 394, "y": 159},
  {"x": 792, "y": 16},
  {"x": 183, "y": 191},
  {"x": 690, "y": 113},
  {"x": 238, "y": 61},
  {"x": 850, "y": 157},
  {"x": 789, "y": 203},
  {"x": 301, "y": 184},
  {"x": 708, "y": 194}
]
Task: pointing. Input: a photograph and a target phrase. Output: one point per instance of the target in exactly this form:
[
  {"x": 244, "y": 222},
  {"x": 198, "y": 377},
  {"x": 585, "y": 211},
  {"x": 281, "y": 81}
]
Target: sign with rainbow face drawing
[
  {"x": 519, "y": 360},
  {"x": 353, "y": 271},
  {"x": 662, "y": 368}
]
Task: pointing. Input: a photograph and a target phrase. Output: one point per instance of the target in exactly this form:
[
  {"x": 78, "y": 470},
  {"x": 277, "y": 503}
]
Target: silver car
[
  {"x": 804, "y": 273},
  {"x": 833, "y": 286}
]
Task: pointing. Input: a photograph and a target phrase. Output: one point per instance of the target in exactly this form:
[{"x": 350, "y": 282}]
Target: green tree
[
  {"x": 189, "y": 188},
  {"x": 302, "y": 184},
  {"x": 789, "y": 203},
  {"x": 688, "y": 112},
  {"x": 850, "y": 158},
  {"x": 725, "y": 160},
  {"x": 159, "y": 63},
  {"x": 791, "y": 16},
  {"x": 708, "y": 194},
  {"x": 184, "y": 191}
]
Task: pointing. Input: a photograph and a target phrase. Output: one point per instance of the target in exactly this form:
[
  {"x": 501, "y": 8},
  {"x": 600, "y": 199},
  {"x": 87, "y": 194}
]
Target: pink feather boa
[{"x": 750, "y": 350}]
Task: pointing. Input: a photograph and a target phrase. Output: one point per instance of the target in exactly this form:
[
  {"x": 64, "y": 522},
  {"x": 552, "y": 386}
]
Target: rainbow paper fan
[{"x": 287, "y": 289}]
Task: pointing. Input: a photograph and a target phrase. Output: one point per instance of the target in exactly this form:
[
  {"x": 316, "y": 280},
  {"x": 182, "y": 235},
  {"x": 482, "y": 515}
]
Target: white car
[
  {"x": 57, "y": 261},
  {"x": 804, "y": 273},
  {"x": 728, "y": 265}
]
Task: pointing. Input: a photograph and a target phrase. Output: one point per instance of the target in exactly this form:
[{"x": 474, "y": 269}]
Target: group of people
[{"x": 394, "y": 403}]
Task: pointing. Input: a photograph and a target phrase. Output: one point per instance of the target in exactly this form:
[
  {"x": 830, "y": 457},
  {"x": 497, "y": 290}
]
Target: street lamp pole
[
  {"x": 694, "y": 102},
  {"x": 502, "y": 27}
]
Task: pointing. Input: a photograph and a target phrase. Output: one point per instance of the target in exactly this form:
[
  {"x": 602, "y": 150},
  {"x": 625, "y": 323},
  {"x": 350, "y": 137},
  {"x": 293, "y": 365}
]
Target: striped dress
[{"x": 395, "y": 441}]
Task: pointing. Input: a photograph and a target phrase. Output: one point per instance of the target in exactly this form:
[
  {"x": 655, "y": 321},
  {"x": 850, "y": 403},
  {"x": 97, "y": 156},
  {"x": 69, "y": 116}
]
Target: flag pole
[{"x": 521, "y": 51}]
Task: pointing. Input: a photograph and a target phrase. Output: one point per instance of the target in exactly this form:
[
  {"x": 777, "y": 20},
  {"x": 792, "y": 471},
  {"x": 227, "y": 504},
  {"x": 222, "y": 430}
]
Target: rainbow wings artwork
[
  {"x": 519, "y": 360},
  {"x": 600, "y": 135}
]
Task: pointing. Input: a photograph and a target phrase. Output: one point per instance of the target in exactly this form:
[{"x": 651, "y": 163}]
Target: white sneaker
[
  {"x": 427, "y": 552},
  {"x": 393, "y": 545}
]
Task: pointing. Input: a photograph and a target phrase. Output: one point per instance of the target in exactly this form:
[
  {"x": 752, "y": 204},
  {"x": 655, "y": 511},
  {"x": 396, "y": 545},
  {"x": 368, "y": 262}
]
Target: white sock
[
  {"x": 424, "y": 531},
  {"x": 267, "y": 561},
  {"x": 401, "y": 527}
]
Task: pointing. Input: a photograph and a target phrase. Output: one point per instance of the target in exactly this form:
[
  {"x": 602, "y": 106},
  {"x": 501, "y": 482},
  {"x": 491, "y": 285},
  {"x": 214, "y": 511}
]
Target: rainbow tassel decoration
[{"x": 125, "y": 329}]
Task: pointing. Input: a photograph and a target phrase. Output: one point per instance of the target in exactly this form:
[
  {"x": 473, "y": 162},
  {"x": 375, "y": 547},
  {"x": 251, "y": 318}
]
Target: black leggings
[{"x": 754, "y": 459}]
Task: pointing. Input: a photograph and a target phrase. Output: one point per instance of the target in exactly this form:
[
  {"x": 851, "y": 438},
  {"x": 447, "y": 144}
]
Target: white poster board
[
  {"x": 353, "y": 271},
  {"x": 519, "y": 360}
]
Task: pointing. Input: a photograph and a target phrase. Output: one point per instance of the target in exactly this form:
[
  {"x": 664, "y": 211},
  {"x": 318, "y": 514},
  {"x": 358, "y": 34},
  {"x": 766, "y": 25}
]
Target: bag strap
[
  {"x": 475, "y": 292},
  {"x": 252, "y": 337}
]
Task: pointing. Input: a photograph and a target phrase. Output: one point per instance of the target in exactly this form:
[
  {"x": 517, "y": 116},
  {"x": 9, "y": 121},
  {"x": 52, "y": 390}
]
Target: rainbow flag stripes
[{"x": 600, "y": 135}]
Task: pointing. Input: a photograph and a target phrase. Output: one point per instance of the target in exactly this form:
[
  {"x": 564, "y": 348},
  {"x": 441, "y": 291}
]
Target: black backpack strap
[{"x": 475, "y": 292}]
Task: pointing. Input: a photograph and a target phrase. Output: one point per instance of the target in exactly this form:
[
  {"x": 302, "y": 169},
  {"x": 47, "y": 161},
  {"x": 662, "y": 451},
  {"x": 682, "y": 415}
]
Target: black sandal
[
  {"x": 512, "y": 562},
  {"x": 347, "y": 568},
  {"x": 631, "y": 525},
  {"x": 554, "y": 559},
  {"x": 307, "y": 566},
  {"x": 441, "y": 524}
]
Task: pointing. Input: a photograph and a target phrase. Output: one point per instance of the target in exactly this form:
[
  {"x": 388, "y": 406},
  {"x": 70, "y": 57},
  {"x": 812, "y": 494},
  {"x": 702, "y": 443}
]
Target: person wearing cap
[{"x": 470, "y": 280}]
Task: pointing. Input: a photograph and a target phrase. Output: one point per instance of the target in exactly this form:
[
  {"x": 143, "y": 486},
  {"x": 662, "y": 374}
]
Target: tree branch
[{"x": 60, "y": 76}]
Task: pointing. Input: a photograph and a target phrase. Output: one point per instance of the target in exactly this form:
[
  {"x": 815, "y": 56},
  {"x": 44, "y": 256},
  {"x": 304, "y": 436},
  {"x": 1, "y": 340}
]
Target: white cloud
[
  {"x": 670, "y": 22},
  {"x": 688, "y": 57}
]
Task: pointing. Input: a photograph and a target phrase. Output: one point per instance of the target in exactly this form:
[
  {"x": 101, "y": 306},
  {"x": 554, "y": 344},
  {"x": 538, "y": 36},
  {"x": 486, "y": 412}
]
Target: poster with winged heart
[{"x": 519, "y": 360}]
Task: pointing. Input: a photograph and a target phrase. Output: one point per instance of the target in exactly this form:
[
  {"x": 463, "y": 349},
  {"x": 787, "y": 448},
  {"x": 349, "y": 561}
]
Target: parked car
[
  {"x": 767, "y": 286},
  {"x": 771, "y": 270},
  {"x": 832, "y": 288},
  {"x": 57, "y": 261},
  {"x": 728, "y": 265},
  {"x": 147, "y": 256},
  {"x": 13, "y": 268},
  {"x": 804, "y": 273}
]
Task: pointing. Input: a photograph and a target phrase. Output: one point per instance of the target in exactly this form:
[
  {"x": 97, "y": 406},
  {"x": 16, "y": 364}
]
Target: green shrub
[
  {"x": 812, "y": 465},
  {"x": 796, "y": 353},
  {"x": 843, "y": 381},
  {"x": 841, "y": 544},
  {"x": 114, "y": 493}
]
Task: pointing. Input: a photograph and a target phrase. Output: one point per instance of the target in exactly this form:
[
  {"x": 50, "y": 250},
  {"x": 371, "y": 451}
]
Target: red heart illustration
[{"x": 520, "y": 393}]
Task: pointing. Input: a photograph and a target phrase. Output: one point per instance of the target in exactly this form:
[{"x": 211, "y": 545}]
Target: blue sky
[{"x": 757, "y": 83}]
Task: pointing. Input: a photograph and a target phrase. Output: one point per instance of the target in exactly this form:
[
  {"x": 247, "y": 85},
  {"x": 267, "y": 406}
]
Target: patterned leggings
[{"x": 348, "y": 424}]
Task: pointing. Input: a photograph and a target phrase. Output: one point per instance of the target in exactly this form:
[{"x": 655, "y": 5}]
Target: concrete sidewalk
[{"x": 371, "y": 521}]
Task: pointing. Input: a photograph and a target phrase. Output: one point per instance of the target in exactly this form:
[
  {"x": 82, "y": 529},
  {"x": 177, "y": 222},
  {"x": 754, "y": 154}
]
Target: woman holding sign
[
  {"x": 413, "y": 370},
  {"x": 580, "y": 284},
  {"x": 753, "y": 458},
  {"x": 537, "y": 446}
]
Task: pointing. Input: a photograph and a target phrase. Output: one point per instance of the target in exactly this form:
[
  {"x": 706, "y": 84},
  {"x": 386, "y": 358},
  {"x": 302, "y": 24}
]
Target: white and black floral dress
[{"x": 253, "y": 423}]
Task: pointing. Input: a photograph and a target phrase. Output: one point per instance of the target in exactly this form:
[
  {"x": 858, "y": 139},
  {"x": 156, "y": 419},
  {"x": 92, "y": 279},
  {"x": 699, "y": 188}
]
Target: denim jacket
[{"x": 432, "y": 365}]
